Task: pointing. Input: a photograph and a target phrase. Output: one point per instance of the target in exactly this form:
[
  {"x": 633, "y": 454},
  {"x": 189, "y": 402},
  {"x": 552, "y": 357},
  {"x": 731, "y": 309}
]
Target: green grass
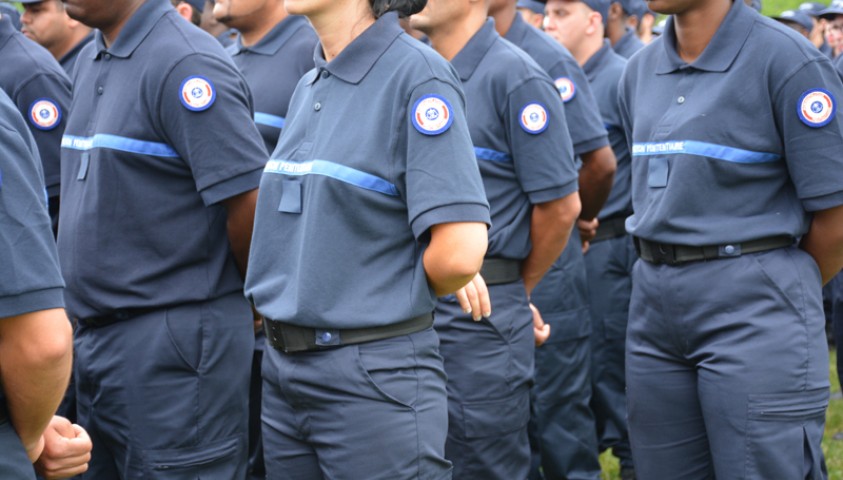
[{"x": 833, "y": 449}]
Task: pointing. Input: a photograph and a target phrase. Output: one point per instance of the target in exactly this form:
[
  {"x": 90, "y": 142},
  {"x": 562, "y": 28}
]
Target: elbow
[
  {"x": 56, "y": 346},
  {"x": 569, "y": 211}
]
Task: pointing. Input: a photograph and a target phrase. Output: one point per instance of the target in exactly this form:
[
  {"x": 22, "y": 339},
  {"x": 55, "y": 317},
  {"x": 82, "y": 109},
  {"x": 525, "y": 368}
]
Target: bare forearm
[
  {"x": 824, "y": 242},
  {"x": 550, "y": 228},
  {"x": 35, "y": 361},
  {"x": 240, "y": 222},
  {"x": 595, "y": 180},
  {"x": 454, "y": 255}
]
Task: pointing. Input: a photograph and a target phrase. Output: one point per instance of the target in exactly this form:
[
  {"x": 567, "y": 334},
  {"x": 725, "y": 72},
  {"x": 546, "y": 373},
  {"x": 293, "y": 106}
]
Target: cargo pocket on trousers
[
  {"x": 212, "y": 460},
  {"x": 783, "y": 436},
  {"x": 497, "y": 417}
]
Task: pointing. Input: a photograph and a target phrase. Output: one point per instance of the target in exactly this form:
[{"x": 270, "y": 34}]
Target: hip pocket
[{"x": 212, "y": 460}]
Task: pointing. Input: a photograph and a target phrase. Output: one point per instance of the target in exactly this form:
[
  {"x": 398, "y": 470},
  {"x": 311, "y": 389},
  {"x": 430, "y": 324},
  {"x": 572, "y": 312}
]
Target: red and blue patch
[
  {"x": 432, "y": 115},
  {"x": 45, "y": 114},
  {"x": 197, "y": 93}
]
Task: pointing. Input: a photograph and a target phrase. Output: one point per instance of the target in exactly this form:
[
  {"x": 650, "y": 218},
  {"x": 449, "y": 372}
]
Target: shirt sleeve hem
[
  {"x": 231, "y": 187},
  {"x": 465, "y": 212},
  {"x": 29, "y": 302}
]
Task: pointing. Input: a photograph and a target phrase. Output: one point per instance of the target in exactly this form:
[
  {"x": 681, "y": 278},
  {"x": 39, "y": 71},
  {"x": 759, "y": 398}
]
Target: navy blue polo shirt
[
  {"x": 39, "y": 87},
  {"x": 604, "y": 70},
  {"x": 31, "y": 280},
  {"x": 714, "y": 163},
  {"x": 160, "y": 132},
  {"x": 68, "y": 61},
  {"x": 520, "y": 136},
  {"x": 838, "y": 65},
  {"x": 585, "y": 125},
  {"x": 628, "y": 44},
  {"x": 375, "y": 151},
  {"x": 273, "y": 67}
]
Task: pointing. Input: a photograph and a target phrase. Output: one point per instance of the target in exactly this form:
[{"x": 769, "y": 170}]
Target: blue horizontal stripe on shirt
[
  {"x": 492, "y": 155},
  {"x": 711, "y": 150},
  {"x": 116, "y": 142},
  {"x": 269, "y": 120},
  {"x": 333, "y": 170}
]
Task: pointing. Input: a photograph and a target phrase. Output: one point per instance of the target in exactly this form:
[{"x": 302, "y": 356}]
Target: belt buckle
[{"x": 665, "y": 254}]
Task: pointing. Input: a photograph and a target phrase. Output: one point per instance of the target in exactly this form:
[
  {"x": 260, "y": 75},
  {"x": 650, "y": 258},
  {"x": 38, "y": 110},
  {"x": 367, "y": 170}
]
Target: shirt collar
[
  {"x": 721, "y": 51},
  {"x": 592, "y": 66},
  {"x": 518, "y": 30},
  {"x": 472, "y": 53},
  {"x": 275, "y": 38},
  {"x": 358, "y": 58},
  {"x": 135, "y": 30},
  {"x": 76, "y": 48},
  {"x": 6, "y": 29}
]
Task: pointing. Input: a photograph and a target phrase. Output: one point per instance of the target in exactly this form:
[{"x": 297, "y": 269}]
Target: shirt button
[
  {"x": 326, "y": 337},
  {"x": 729, "y": 249},
  {"x": 326, "y": 74},
  {"x": 680, "y": 100},
  {"x": 100, "y": 90},
  {"x": 317, "y": 106},
  {"x": 107, "y": 56}
]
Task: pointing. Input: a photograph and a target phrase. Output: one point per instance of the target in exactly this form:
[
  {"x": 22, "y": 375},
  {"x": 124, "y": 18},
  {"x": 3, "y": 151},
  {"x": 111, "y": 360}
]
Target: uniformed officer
[
  {"x": 531, "y": 11},
  {"x": 623, "y": 38},
  {"x": 10, "y": 11},
  {"x": 579, "y": 26},
  {"x": 833, "y": 17},
  {"x": 41, "y": 90},
  {"x": 46, "y": 22},
  {"x": 190, "y": 10},
  {"x": 273, "y": 50},
  {"x": 523, "y": 147},
  {"x": 817, "y": 37},
  {"x": 562, "y": 427},
  {"x": 370, "y": 206},
  {"x": 35, "y": 335},
  {"x": 739, "y": 222},
  {"x": 797, "y": 20},
  {"x": 161, "y": 162}
]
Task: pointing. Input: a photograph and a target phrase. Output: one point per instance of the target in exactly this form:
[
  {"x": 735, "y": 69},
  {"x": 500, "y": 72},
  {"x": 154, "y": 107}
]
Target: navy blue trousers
[
  {"x": 727, "y": 368},
  {"x": 164, "y": 395},
  {"x": 14, "y": 464},
  {"x": 490, "y": 369},
  {"x": 609, "y": 272},
  {"x": 376, "y": 410}
]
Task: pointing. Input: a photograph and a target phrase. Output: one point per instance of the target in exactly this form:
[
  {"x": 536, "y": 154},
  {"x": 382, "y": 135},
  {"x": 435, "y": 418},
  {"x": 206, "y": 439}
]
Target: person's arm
[
  {"x": 550, "y": 227},
  {"x": 595, "y": 181},
  {"x": 454, "y": 256},
  {"x": 824, "y": 241},
  {"x": 35, "y": 360},
  {"x": 67, "y": 450},
  {"x": 240, "y": 223}
]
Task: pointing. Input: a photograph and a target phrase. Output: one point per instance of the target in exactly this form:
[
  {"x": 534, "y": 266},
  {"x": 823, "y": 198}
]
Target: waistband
[
  {"x": 116, "y": 316},
  {"x": 498, "y": 271},
  {"x": 288, "y": 338},
  {"x": 662, "y": 253},
  {"x": 610, "y": 228}
]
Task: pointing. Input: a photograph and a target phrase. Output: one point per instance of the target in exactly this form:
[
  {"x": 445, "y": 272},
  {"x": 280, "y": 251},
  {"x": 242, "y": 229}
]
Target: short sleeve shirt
[
  {"x": 604, "y": 70},
  {"x": 584, "y": 123},
  {"x": 40, "y": 88},
  {"x": 713, "y": 163},
  {"x": 628, "y": 44},
  {"x": 375, "y": 152},
  {"x": 31, "y": 280},
  {"x": 160, "y": 133},
  {"x": 68, "y": 61},
  {"x": 273, "y": 67},
  {"x": 520, "y": 135}
]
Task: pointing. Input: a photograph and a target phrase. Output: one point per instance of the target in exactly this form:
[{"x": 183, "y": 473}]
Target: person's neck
[
  {"x": 110, "y": 32},
  {"x": 696, "y": 27},
  {"x": 504, "y": 18},
  {"x": 339, "y": 26},
  {"x": 70, "y": 42},
  {"x": 450, "y": 39},
  {"x": 262, "y": 22},
  {"x": 587, "y": 49}
]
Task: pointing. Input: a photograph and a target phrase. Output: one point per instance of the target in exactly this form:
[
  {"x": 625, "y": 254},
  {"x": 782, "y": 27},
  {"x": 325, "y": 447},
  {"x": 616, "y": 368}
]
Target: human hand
[
  {"x": 66, "y": 452},
  {"x": 541, "y": 330},
  {"x": 474, "y": 299}
]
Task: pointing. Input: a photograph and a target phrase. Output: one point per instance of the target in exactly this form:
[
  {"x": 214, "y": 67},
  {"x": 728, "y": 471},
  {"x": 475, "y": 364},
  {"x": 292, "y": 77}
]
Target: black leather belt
[
  {"x": 289, "y": 338},
  {"x": 661, "y": 253},
  {"x": 497, "y": 271},
  {"x": 610, "y": 228},
  {"x": 115, "y": 316}
]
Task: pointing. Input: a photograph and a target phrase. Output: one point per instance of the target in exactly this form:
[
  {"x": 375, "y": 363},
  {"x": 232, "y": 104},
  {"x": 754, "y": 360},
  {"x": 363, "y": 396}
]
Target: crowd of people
[{"x": 395, "y": 239}]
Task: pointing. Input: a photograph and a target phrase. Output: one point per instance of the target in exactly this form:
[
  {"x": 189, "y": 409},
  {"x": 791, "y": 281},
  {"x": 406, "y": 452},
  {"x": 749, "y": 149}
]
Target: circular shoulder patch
[
  {"x": 197, "y": 93},
  {"x": 567, "y": 88},
  {"x": 45, "y": 114},
  {"x": 816, "y": 107},
  {"x": 432, "y": 115},
  {"x": 534, "y": 118}
]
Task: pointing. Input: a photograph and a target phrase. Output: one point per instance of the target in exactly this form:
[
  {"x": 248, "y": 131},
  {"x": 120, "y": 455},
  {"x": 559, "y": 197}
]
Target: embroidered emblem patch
[
  {"x": 816, "y": 107},
  {"x": 45, "y": 114},
  {"x": 534, "y": 118},
  {"x": 432, "y": 115},
  {"x": 567, "y": 88},
  {"x": 197, "y": 93}
]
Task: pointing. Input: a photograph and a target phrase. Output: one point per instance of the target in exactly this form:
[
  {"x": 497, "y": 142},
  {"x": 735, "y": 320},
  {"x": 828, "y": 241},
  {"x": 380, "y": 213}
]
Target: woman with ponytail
[{"x": 370, "y": 207}]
